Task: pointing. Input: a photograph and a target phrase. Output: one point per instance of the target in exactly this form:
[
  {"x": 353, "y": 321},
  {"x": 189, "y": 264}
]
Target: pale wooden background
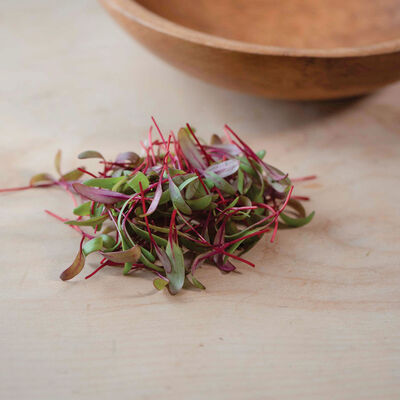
[{"x": 319, "y": 318}]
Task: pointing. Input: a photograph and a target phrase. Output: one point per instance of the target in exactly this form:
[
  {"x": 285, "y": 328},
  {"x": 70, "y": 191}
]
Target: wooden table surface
[{"x": 318, "y": 318}]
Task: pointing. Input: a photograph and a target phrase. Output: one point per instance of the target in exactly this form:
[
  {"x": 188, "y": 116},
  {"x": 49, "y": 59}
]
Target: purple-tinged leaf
[
  {"x": 227, "y": 267},
  {"x": 130, "y": 156},
  {"x": 76, "y": 267},
  {"x": 103, "y": 196},
  {"x": 162, "y": 256},
  {"x": 200, "y": 258},
  {"x": 190, "y": 150},
  {"x": 221, "y": 150},
  {"x": 219, "y": 240},
  {"x": 220, "y": 183},
  {"x": 224, "y": 168},
  {"x": 267, "y": 168},
  {"x": 177, "y": 275},
  {"x": 131, "y": 255},
  {"x": 156, "y": 168},
  {"x": 156, "y": 199}
]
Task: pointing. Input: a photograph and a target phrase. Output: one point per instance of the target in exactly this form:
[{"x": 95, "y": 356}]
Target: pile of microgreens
[{"x": 181, "y": 204}]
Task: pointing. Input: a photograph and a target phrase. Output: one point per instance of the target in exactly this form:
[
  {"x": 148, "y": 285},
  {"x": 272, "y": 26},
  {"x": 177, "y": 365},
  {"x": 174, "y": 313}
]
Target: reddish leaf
[{"x": 127, "y": 256}]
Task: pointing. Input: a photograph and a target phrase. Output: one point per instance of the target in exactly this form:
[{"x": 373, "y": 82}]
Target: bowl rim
[{"x": 140, "y": 14}]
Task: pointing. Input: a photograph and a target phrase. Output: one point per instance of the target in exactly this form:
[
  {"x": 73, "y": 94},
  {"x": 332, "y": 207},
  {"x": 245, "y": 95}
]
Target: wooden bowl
[{"x": 288, "y": 49}]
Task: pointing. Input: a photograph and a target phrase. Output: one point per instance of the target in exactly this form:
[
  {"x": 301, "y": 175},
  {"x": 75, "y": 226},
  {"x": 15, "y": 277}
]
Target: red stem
[
  {"x": 159, "y": 132},
  {"x": 16, "y": 189},
  {"x": 206, "y": 155}
]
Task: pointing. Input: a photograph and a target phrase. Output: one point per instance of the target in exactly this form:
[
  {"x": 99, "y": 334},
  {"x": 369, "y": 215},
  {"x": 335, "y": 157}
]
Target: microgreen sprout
[{"x": 179, "y": 205}]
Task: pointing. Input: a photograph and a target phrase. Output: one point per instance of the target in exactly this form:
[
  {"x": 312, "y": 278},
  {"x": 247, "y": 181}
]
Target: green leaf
[
  {"x": 249, "y": 244},
  {"x": 177, "y": 275},
  {"x": 90, "y": 154},
  {"x": 209, "y": 183},
  {"x": 194, "y": 246},
  {"x": 127, "y": 268},
  {"x": 57, "y": 162},
  {"x": 240, "y": 181},
  {"x": 220, "y": 183},
  {"x": 177, "y": 199},
  {"x": 159, "y": 283},
  {"x": 261, "y": 154},
  {"x": 188, "y": 130},
  {"x": 243, "y": 232},
  {"x": 145, "y": 235},
  {"x": 187, "y": 181},
  {"x": 174, "y": 172},
  {"x": 250, "y": 168},
  {"x": 83, "y": 209},
  {"x": 149, "y": 264},
  {"x": 296, "y": 205},
  {"x": 89, "y": 222},
  {"x": 108, "y": 241},
  {"x": 194, "y": 190},
  {"x": 104, "y": 183},
  {"x": 73, "y": 175},
  {"x": 197, "y": 283},
  {"x": 116, "y": 187},
  {"x": 43, "y": 177},
  {"x": 248, "y": 182},
  {"x": 296, "y": 222},
  {"x": 139, "y": 177},
  {"x": 232, "y": 203},
  {"x": 97, "y": 209},
  {"x": 93, "y": 245},
  {"x": 148, "y": 255},
  {"x": 231, "y": 249},
  {"x": 201, "y": 203},
  {"x": 165, "y": 197}
]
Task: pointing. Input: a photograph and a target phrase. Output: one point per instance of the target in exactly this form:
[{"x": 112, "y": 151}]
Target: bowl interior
[{"x": 301, "y": 24}]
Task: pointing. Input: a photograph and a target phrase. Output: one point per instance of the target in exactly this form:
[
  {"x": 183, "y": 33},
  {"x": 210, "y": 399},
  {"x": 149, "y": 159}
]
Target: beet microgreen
[{"x": 179, "y": 205}]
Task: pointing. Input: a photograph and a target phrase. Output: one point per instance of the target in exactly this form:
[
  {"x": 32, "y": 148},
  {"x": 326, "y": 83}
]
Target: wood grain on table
[{"x": 319, "y": 316}]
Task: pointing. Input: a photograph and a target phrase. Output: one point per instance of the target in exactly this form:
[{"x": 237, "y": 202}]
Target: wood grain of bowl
[{"x": 292, "y": 49}]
